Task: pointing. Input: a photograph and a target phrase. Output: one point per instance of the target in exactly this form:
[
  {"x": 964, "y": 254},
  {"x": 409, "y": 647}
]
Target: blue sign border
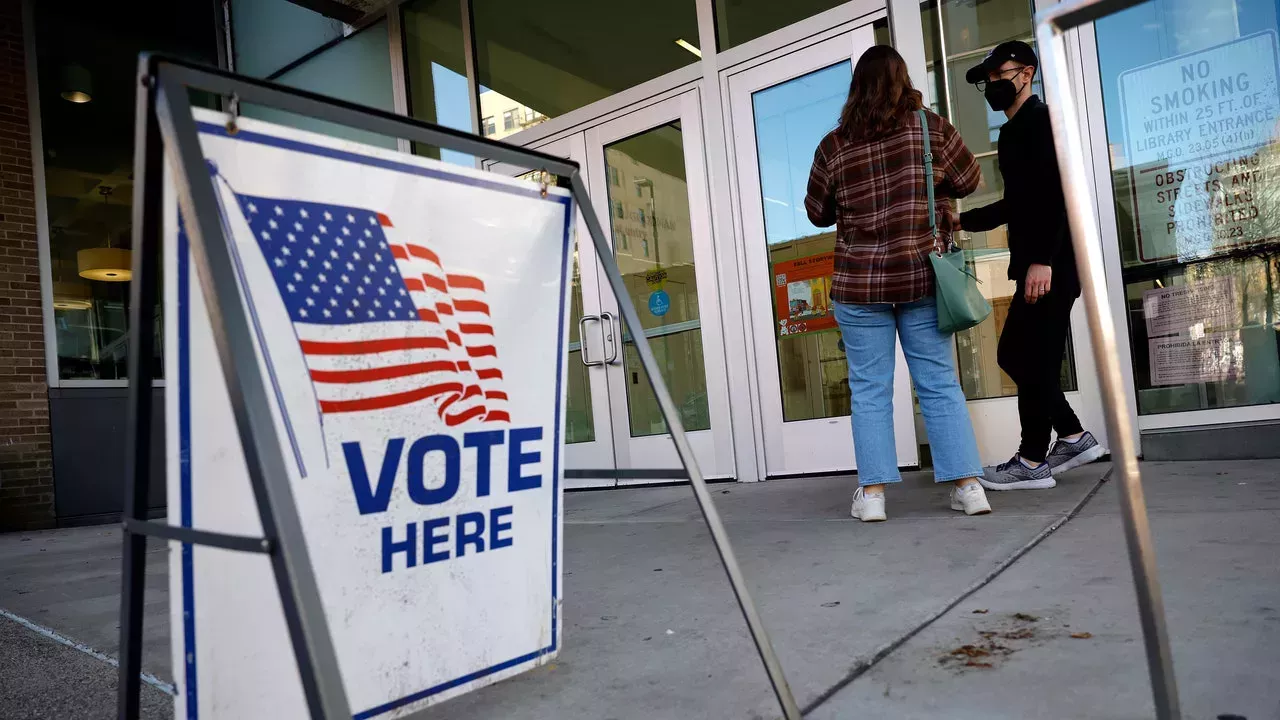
[{"x": 184, "y": 411}]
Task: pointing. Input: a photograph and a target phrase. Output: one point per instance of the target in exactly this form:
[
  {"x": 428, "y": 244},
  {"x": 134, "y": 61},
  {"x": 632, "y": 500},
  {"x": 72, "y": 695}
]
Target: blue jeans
[{"x": 868, "y": 332}]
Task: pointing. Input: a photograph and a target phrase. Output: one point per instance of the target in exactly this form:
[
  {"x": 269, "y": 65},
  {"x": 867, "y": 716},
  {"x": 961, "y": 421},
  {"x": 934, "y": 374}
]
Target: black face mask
[{"x": 1001, "y": 94}]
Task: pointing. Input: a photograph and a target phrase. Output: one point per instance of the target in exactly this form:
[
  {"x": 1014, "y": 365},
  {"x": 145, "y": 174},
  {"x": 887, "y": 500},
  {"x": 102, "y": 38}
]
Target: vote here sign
[
  {"x": 1199, "y": 133},
  {"x": 410, "y": 321}
]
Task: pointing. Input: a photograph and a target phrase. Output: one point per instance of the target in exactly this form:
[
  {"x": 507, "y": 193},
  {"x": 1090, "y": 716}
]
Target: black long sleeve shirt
[{"x": 1033, "y": 205}]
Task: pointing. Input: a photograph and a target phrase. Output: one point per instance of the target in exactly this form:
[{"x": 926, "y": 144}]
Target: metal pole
[
  {"x": 374, "y": 120},
  {"x": 1088, "y": 248},
  {"x": 148, "y": 201},
  {"x": 718, "y": 534},
  {"x": 255, "y": 418}
]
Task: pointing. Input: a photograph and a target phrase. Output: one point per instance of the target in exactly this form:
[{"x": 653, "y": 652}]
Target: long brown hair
[{"x": 880, "y": 96}]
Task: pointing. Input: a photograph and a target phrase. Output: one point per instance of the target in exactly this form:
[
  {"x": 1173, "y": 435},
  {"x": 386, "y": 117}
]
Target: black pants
[{"x": 1032, "y": 345}]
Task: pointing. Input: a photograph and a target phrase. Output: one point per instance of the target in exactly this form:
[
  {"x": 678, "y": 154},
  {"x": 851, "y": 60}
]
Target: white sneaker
[
  {"x": 868, "y": 507},
  {"x": 971, "y": 498}
]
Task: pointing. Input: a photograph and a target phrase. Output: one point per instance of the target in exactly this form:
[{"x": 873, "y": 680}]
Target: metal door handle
[
  {"x": 611, "y": 334},
  {"x": 582, "y": 341}
]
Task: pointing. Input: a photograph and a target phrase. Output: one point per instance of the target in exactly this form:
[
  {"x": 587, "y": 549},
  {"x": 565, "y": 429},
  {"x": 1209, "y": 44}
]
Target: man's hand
[{"x": 1039, "y": 278}]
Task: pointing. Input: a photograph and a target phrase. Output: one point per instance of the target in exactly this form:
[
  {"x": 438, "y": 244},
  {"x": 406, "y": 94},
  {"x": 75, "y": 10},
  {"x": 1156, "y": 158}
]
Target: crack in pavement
[{"x": 860, "y": 668}]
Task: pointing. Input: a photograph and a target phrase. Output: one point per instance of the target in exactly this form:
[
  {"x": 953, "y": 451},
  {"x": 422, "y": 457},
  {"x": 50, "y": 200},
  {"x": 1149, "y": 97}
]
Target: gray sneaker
[
  {"x": 1013, "y": 475},
  {"x": 1064, "y": 456}
]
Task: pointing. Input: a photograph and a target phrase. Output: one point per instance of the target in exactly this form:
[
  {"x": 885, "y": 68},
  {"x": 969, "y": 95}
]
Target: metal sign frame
[
  {"x": 1051, "y": 26},
  {"x": 165, "y": 130}
]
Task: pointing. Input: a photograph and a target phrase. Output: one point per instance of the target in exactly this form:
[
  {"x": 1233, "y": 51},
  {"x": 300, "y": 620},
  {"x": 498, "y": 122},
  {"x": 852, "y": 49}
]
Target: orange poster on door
[{"x": 802, "y": 294}]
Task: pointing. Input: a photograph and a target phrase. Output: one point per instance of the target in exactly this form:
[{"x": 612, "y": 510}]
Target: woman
[{"x": 868, "y": 180}]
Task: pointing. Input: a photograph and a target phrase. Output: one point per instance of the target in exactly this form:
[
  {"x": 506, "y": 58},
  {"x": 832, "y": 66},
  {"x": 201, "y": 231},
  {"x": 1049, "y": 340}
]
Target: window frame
[{"x": 224, "y": 51}]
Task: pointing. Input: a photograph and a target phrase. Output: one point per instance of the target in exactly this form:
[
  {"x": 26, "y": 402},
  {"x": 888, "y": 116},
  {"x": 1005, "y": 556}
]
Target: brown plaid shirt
[{"x": 874, "y": 193}]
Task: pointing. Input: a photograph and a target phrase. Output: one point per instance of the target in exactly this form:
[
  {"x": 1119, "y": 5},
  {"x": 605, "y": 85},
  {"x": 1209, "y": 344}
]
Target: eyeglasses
[{"x": 982, "y": 84}]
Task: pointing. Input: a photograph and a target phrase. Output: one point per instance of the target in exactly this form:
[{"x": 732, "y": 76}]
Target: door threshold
[
  {"x": 651, "y": 484},
  {"x": 829, "y": 473}
]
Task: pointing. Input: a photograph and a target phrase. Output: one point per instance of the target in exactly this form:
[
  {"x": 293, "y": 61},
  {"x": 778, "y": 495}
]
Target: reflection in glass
[
  {"x": 435, "y": 65},
  {"x": 532, "y": 63},
  {"x": 579, "y": 422},
  {"x": 1231, "y": 346},
  {"x": 1196, "y": 177},
  {"x": 791, "y": 119},
  {"x": 88, "y": 162},
  {"x": 976, "y": 26},
  {"x": 653, "y": 243},
  {"x": 972, "y": 29},
  {"x": 738, "y": 21},
  {"x": 358, "y": 70},
  {"x": 501, "y": 116},
  {"x": 269, "y": 34}
]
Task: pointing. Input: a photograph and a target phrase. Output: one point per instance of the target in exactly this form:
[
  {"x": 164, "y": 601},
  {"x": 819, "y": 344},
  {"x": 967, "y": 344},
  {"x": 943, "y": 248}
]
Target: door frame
[
  {"x": 598, "y": 453},
  {"x": 807, "y": 446},
  {"x": 712, "y": 447}
]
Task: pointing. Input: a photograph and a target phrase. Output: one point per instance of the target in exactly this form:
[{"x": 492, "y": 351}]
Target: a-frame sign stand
[{"x": 166, "y": 132}]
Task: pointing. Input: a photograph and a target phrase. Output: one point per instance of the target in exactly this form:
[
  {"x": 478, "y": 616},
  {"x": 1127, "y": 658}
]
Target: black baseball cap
[{"x": 1014, "y": 50}]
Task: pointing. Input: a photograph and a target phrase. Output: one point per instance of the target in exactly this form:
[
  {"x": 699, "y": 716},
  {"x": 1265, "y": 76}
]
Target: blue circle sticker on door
[{"x": 659, "y": 303}]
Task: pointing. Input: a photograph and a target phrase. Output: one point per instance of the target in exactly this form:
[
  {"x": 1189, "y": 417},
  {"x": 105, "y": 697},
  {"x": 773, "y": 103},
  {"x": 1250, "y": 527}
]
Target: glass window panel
[
  {"x": 656, "y": 261},
  {"x": 579, "y": 422},
  {"x": 976, "y": 26},
  {"x": 978, "y": 124},
  {"x": 269, "y": 34},
  {"x": 791, "y": 119},
  {"x": 537, "y": 64},
  {"x": 882, "y": 34},
  {"x": 980, "y": 374},
  {"x": 1190, "y": 98},
  {"x": 971, "y": 30},
  {"x": 358, "y": 70},
  {"x": 437, "y": 71},
  {"x": 738, "y": 21},
  {"x": 87, "y": 63}
]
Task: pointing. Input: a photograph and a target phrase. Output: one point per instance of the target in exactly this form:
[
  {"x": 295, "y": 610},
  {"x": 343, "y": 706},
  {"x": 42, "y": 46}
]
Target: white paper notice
[
  {"x": 1215, "y": 357},
  {"x": 1191, "y": 309}
]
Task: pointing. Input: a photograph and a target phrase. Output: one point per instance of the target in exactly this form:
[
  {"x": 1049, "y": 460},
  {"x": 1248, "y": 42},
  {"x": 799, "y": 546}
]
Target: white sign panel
[
  {"x": 1197, "y": 134},
  {"x": 410, "y": 321}
]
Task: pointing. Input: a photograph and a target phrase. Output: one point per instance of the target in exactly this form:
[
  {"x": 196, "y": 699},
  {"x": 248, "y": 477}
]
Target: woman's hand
[{"x": 1039, "y": 279}]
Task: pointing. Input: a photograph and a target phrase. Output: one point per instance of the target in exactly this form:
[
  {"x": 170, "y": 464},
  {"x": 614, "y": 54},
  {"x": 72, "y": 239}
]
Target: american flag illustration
[{"x": 379, "y": 319}]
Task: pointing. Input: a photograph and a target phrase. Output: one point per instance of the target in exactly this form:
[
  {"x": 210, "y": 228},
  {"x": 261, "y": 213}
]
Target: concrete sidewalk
[{"x": 865, "y": 617}]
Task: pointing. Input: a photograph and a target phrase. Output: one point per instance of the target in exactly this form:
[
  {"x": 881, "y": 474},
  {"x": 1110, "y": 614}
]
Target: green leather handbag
[{"x": 960, "y": 302}]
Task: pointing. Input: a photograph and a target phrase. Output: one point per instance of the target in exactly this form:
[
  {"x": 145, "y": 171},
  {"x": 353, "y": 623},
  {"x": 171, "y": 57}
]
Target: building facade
[{"x": 694, "y": 122}]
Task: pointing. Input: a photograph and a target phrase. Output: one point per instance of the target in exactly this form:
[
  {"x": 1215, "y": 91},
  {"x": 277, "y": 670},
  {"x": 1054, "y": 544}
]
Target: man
[{"x": 1042, "y": 263}]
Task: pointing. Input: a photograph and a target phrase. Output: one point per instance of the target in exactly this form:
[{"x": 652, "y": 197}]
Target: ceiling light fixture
[
  {"x": 689, "y": 46},
  {"x": 108, "y": 264},
  {"x": 72, "y": 296},
  {"x": 77, "y": 84}
]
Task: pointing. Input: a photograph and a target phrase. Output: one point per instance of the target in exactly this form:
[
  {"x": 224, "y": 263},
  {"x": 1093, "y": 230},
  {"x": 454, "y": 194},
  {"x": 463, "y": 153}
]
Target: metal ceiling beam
[{"x": 349, "y": 12}]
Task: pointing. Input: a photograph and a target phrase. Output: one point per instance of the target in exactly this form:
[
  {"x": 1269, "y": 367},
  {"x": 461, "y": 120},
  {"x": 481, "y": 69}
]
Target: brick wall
[{"x": 26, "y": 464}]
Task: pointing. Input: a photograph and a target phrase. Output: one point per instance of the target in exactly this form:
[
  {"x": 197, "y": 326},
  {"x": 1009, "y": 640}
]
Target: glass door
[
  {"x": 958, "y": 35},
  {"x": 1195, "y": 204},
  {"x": 780, "y": 111},
  {"x": 588, "y": 431},
  {"x": 648, "y": 186}
]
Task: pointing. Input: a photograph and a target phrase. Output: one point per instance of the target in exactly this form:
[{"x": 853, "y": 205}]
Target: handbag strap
[{"x": 928, "y": 181}]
